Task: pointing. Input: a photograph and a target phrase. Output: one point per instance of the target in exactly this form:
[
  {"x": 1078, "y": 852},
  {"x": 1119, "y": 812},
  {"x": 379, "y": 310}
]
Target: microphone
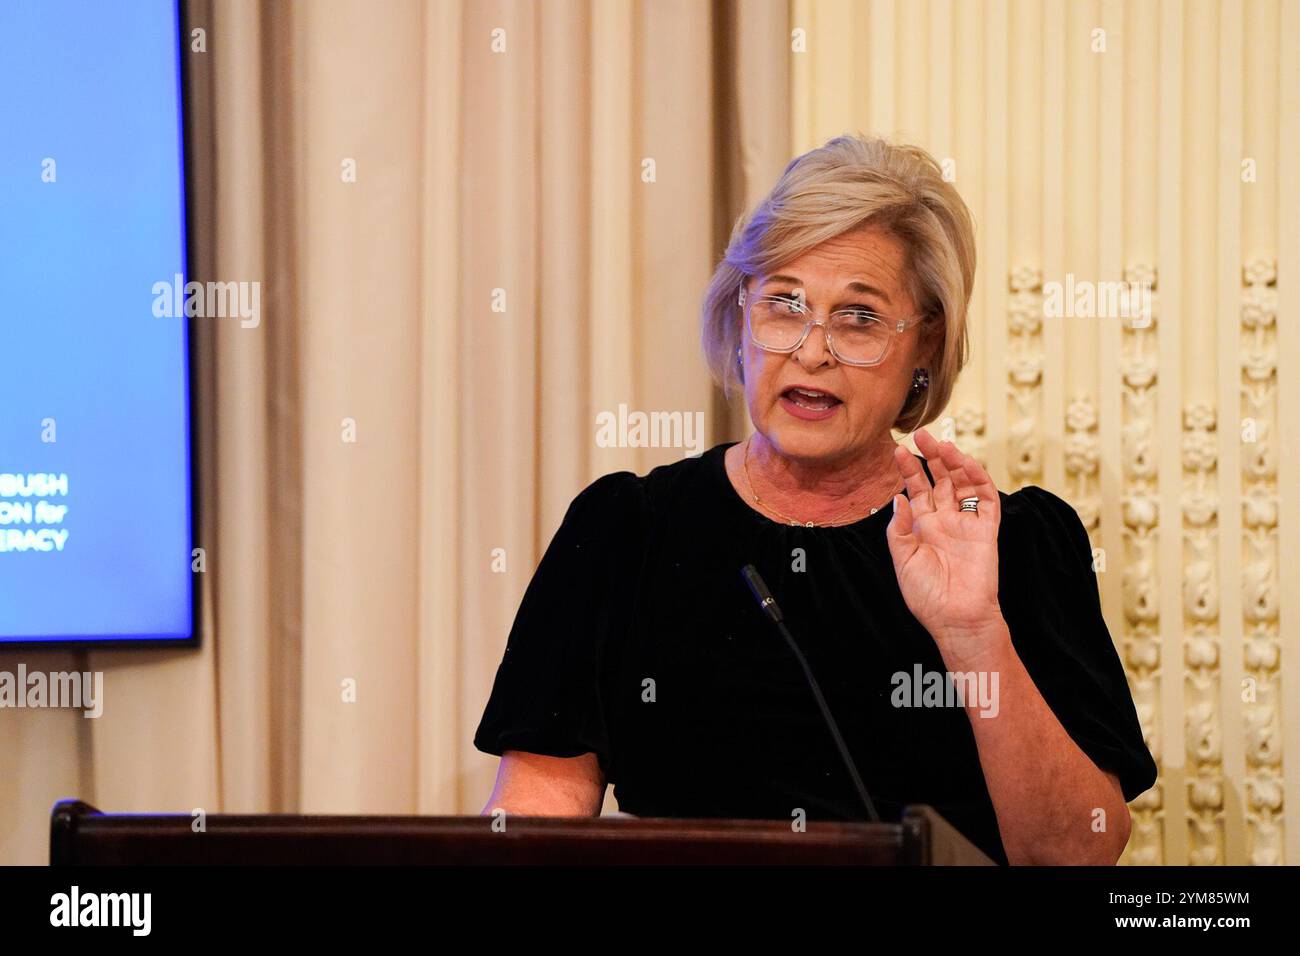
[{"x": 769, "y": 607}]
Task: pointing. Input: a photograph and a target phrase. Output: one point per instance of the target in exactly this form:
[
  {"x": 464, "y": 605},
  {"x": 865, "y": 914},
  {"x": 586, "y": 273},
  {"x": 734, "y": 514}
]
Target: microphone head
[
  {"x": 761, "y": 594},
  {"x": 755, "y": 582}
]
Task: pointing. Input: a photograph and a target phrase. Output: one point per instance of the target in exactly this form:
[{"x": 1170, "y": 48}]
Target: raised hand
[{"x": 946, "y": 560}]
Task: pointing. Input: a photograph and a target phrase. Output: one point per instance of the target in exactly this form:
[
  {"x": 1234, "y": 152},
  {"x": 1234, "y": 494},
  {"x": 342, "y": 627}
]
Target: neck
[{"x": 823, "y": 490}]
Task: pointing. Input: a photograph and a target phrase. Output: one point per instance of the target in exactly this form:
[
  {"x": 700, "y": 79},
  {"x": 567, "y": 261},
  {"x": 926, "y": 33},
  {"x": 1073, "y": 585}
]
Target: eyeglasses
[{"x": 781, "y": 323}]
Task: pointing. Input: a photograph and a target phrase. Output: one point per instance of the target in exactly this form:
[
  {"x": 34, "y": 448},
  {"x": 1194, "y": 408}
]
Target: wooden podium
[{"x": 82, "y": 835}]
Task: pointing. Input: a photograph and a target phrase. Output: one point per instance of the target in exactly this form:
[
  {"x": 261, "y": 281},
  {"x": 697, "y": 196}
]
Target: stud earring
[{"x": 920, "y": 379}]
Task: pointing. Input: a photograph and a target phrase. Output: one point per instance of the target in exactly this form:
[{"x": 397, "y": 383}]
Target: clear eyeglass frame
[{"x": 897, "y": 327}]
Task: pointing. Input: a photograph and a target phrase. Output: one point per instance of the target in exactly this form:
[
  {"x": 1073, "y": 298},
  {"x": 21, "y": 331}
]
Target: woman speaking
[{"x": 639, "y": 656}]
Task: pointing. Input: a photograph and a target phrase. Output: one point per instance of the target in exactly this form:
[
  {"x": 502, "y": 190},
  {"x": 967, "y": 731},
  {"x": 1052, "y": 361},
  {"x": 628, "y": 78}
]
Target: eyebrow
[{"x": 854, "y": 286}]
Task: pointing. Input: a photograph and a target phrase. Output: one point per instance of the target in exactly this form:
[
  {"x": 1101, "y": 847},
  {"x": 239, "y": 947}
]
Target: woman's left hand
[{"x": 946, "y": 559}]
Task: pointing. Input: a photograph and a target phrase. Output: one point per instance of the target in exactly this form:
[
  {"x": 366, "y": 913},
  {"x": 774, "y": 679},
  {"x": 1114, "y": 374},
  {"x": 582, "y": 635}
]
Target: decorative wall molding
[
  {"x": 1025, "y": 376},
  {"x": 1260, "y": 600},
  {"x": 1202, "y": 724},
  {"x": 1139, "y": 631}
]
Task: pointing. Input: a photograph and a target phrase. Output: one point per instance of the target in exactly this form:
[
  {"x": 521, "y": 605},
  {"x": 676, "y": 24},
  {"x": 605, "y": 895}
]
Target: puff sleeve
[
  {"x": 1052, "y": 606},
  {"x": 550, "y": 693}
]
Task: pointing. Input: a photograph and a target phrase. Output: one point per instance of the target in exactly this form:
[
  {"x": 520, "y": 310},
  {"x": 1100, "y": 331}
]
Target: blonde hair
[{"x": 849, "y": 182}]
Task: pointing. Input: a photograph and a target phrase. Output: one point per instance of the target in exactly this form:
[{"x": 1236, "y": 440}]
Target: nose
[{"x": 815, "y": 350}]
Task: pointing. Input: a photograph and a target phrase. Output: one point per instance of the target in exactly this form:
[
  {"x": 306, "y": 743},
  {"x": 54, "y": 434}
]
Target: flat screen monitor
[{"x": 96, "y": 503}]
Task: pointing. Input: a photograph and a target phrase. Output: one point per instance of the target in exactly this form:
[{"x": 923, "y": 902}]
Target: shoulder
[
  {"x": 614, "y": 505},
  {"x": 603, "y": 529},
  {"x": 618, "y": 490},
  {"x": 1034, "y": 503},
  {"x": 1042, "y": 525},
  {"x": 615, "y": 519},
  {"x": 623, "y": 492},
  {"x": 687, "y": 480}
]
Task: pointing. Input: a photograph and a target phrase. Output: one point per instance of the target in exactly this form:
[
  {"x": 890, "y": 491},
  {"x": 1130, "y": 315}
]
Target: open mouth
[{"x": 811, "y": 399}]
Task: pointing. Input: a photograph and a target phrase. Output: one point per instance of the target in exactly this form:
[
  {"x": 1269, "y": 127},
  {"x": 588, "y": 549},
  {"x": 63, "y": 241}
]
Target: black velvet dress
[{"x": 639, "y": 641}]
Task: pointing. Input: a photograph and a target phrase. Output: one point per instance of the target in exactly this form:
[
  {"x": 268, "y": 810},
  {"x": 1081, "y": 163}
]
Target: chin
[{"x": 808, "y": 441}]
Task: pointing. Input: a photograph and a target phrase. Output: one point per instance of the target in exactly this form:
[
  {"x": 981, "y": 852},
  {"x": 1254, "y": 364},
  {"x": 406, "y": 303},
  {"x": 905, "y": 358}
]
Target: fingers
[
  {"x": 898, "y": 533},
  {"x": 980, "y": 484},
  {"x": 934, "y": 452},
  {"x": 918, "y": 486},
  {"x": 957, "y": 476}
]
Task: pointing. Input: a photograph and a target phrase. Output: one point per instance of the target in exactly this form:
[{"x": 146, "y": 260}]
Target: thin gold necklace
[{"x": 785, "y": 517}]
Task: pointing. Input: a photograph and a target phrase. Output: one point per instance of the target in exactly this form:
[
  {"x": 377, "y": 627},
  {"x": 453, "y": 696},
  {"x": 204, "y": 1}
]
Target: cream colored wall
[{"x": 1108, "y": 140}]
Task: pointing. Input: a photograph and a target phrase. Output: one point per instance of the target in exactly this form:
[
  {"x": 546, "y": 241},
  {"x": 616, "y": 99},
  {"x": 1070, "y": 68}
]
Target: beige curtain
[{"x": 541, "y": 191}]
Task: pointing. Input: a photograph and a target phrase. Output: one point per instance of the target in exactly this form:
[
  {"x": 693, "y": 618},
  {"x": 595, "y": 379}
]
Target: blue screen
[{"x": 95, "y": 531}]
